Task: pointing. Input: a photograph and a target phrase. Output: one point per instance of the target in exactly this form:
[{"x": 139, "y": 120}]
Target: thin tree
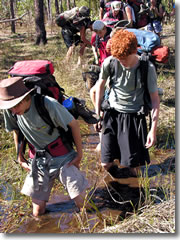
[
  {"x": 61, "y": 6},
  {"x": 49, "y": 10},
  {"x": 68, "y": 4},
  {"x": 13, "y": 28},
  {"x": 74, "y": 3},
  {"x": 39, "y": 22},
  {"x": 56, "y": 7}
]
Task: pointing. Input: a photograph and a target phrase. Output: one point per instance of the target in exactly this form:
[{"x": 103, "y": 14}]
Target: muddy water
[{"x": 115, "y": 198}]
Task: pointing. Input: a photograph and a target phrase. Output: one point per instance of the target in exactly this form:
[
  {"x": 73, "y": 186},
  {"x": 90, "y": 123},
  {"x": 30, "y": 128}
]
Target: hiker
[
  {"x": 99, "y": 41},
  {"x": 130, "y": 13},
  {"x": 172, "y": 13},
  {"x": 21, "y": 116},
  {"x": 105, "y": 6},
  {"x": 117, "y": 12},
  {"x": 72, "y": 39},
  {"x": 124, "y": 132},
  {"x": 74, "y": 33},
  {"x": 137, "y": 13},
  {"x": 156, "y": 15}
]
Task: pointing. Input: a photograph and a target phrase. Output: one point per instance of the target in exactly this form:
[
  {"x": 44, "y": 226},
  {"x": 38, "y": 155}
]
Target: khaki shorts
[{"x": 71, "y": 177}]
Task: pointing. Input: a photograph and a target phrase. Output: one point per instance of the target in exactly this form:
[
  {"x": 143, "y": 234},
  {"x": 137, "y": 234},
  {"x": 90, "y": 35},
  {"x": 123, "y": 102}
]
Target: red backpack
[
  {"x": 38, "y": 74},
  {"x": 160, "y": 54}
]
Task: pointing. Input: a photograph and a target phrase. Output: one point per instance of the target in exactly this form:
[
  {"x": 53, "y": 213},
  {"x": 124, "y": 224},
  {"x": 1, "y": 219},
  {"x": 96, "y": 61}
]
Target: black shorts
[
  {"x": 70, "y": 38},
  {"x": 123, "y": 137}
]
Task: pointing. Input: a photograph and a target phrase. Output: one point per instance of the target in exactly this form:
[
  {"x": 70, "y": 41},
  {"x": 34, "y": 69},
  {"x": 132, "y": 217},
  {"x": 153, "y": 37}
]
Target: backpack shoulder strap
[
  {"x": 113, "y": 67},
  {"x": 144, "y": 62},
  {"x": 96, "y": 42},
  {"x": 66, "y": 137},
  {"x": 42, "y": 111},
  {"x": 110, "y": 14}
]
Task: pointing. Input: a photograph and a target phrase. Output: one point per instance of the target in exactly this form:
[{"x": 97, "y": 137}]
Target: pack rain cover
[{"x": 31, "y": 67}]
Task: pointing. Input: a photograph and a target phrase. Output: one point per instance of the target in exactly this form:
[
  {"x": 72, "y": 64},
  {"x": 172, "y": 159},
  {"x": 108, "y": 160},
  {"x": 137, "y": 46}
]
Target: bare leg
[
  {"x": 135, "y": 171},
  {"x": 80, "y": 201},
  {"x": 39, "y": 207},
  {"x": 81, "y": 53},
  {"x": 69, "y": 53},
  {"x": 93, "y": 94},
  {"x": 107, "y": 166},
  {"x": 98, "y": 148}
]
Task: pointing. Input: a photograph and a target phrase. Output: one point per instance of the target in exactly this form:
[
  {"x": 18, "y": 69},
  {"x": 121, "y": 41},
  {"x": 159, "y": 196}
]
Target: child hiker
[
  {"x": 124, "y": 130},
  {"x": 20, "y": 115}
]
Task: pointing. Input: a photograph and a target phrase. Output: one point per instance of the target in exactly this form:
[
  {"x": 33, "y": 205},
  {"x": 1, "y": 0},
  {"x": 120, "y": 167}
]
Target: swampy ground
[{"x": 122, "y": 205}]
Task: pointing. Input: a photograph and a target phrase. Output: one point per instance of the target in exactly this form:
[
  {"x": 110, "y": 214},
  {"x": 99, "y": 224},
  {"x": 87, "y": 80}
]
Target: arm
[
  {"x": 151, "y": 138},
  {"x": 21, "y": 160},
  {"x": 158, "y": 12},
  {"x": 15, "y": 136},
  {"x": 95, "y": 55},
  {"x": 129, "y": 16},
  {"x": 83, "y": 36},
  {"x": 106, "y": 15},
  {"x": 101, "y": 13},
  {"x": 93, "y": 44},
  {"x": 100, "y": 86},
  {"x": 74, "y": 125},
  {"x": 124, "y": 15}
]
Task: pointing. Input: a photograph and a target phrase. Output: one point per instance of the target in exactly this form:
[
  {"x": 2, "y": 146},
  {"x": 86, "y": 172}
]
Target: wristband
[{"x": 100, "y": 119}]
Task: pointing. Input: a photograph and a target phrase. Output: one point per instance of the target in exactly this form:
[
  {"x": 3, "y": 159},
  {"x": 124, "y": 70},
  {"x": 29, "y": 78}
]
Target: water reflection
[{"x": 113, "y": 198}]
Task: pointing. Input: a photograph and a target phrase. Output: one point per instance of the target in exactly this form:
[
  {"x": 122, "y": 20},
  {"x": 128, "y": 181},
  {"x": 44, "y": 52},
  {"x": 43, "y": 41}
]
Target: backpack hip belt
[{"x": 56, "y": 148}]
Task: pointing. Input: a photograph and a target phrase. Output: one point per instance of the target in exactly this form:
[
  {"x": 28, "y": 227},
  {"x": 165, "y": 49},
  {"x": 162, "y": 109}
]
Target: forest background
[{"x": 21, "y": 22}]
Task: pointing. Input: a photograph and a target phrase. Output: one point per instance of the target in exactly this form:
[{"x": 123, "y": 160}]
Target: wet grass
[{"x": 15, "y": 208}]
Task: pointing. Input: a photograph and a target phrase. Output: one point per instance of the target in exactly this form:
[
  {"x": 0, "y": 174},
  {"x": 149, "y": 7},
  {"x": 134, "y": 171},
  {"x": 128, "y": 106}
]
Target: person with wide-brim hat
[
  {"x": 21, "y": 115},
  {"x": 12, "y": 92}
]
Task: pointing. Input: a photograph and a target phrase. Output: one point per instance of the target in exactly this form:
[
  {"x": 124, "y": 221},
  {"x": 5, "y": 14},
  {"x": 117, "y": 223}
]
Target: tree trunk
[
  {"x": 61, "y": 6},
  {"x": 49, "y": 11},
  {"x": 74, "y": 3},
  {"x": 39, "y": 22},
  {"x": 13, "y": 28},
  {"x": 57, "y": 7},
  {"x": 90, "y": 4},
  {"x": 68, "y": 4}
]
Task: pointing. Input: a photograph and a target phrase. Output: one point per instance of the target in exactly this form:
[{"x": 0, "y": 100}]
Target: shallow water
[{"x": 115, "y": 198}]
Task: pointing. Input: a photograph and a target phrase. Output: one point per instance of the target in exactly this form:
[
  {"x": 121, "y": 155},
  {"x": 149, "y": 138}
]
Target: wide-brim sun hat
[
  {"x": 98, "y": 25},
  {"x": 12, "y": 92},
  {"x": 116, "y": 5}
]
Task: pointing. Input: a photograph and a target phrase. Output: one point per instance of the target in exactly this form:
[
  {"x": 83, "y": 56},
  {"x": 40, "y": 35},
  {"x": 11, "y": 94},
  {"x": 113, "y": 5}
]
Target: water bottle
[{"x": 69, "y": 105}]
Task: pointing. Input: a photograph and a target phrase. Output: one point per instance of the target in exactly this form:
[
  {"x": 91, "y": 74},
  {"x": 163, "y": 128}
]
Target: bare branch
[{"x": 14, "y": 19}]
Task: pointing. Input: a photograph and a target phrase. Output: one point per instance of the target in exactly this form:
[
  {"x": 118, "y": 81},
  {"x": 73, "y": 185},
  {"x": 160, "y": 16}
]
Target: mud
[{"x": 114, "y": 198}]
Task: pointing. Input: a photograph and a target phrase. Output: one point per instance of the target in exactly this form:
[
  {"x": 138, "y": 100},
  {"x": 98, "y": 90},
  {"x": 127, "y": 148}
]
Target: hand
[
  {"x": 96, "y": 61},
  {"x": 25, "y": 166},
  {"x": 151, "y": 139},
  {"x": 156, "y": 10},
  {"x": 24, "y": 163},
  {"x": 98, "y": 126},
  {"x": 76, "y": 162}
]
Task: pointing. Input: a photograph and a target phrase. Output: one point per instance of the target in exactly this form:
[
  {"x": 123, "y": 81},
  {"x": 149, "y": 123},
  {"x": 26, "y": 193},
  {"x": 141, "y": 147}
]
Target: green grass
[{"x": 18, "y": 209}]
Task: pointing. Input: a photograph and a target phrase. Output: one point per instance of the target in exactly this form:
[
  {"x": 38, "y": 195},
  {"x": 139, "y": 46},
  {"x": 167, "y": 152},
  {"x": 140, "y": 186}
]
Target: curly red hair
[{"x": 123, "y": 44}]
